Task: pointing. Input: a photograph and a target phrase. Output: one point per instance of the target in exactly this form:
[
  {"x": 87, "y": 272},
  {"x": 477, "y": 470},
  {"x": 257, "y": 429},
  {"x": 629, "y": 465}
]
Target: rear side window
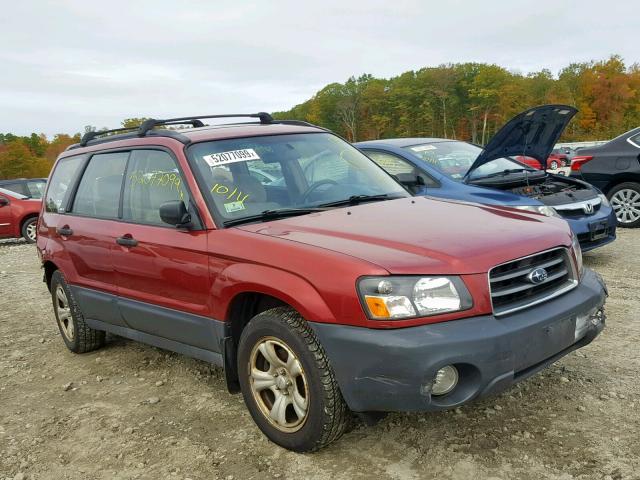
[
  {"x": 60, "y": 183},
  {"x": 99, "y": 190},
  {"x": 153, "y": 178},
  {"x": 15, "y": 187}
]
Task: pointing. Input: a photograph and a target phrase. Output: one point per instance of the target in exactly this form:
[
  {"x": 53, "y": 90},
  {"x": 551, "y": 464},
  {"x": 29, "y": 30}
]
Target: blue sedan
[{"x": 458, "y": 170}]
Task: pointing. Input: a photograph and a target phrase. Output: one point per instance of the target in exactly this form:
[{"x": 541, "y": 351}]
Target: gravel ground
[{"x": 133, "y": 411}]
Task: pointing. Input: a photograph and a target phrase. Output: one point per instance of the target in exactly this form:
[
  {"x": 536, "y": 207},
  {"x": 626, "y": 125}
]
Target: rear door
[
  {"x": 161, "y": 271},
  {"x": 87, "y": 233}
]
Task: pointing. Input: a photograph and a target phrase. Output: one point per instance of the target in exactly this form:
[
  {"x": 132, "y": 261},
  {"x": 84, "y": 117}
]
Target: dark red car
[
  {"x": 554, "y": 161},
  {"x": 18, "y": 215},
  {"x": 326, "y": 290}
]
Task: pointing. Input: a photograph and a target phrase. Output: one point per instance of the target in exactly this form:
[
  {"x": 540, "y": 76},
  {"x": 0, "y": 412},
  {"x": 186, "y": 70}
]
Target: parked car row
[{"x": 458, "y": 170}]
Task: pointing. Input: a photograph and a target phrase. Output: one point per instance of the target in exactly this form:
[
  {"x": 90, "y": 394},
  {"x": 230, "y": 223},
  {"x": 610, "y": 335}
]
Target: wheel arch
[
  {"x": 621, "y": 178},
  {"x": 24, "y": 219},
  {"x": 253, "y": 289}
]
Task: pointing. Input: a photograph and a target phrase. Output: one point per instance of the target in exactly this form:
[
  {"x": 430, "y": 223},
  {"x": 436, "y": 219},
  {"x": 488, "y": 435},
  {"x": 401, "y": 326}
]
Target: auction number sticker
[{"x": 233, "y": 156}]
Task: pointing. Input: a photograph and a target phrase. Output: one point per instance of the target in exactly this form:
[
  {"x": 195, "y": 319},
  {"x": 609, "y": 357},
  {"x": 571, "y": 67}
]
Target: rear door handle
[
  {"x": 127, "y": 241},
  {"x": 64, "y": 231}
]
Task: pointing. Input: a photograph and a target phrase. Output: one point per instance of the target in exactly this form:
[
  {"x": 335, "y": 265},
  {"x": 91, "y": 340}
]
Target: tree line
[
  {"x": 465, "y": 101},
  {"x": 32, "y": 156},
  {"x": 471, "y": 101}
]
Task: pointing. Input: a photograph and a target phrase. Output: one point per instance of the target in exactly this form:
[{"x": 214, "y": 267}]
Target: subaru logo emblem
[
  {"x": 588, "y": 208},
  {"x": 537, "y": 276}
]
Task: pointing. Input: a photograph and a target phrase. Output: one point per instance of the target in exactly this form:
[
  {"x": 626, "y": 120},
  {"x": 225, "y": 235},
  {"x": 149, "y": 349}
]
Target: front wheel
[
  {"x": 287, "y": 382},
  {"x": 625, "y": 201},
  {"x": 553, "y": 165},
  {"x": 29, "y": 229}
]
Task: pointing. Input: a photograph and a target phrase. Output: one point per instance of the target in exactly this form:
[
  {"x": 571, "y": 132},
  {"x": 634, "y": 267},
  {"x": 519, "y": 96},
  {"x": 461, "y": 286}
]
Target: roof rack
[{"x": 147, "y": 127}]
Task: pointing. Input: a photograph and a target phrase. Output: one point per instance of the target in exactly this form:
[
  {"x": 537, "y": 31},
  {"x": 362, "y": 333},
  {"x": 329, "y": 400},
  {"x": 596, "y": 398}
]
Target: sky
[{"x": 67, "y": 64}]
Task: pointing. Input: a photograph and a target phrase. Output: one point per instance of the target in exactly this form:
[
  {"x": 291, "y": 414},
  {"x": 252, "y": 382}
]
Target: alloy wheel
[
  {"x": 626, "y": 204},
  {"x": 31, "y": 231},
  {"x": 278, "y": 384},
  {"x": 63, "y": 313}
]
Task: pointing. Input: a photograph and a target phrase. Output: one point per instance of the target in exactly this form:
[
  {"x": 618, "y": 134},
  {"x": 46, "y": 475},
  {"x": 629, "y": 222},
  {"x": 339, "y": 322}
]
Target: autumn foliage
[
  {"x": 467, "y": 101},
  {"x": 470, "y": 101}
]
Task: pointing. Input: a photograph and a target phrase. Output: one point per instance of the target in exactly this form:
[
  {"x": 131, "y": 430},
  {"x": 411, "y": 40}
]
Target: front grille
[
  {"x": 512, "y": 289},
  {"x": 579, "y": 209}
]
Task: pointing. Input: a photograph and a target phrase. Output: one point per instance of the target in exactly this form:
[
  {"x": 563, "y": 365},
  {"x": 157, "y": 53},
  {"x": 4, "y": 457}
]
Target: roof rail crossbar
[
  {"x": 148, "y": 125},
  {"x": 87, "y": 137}
]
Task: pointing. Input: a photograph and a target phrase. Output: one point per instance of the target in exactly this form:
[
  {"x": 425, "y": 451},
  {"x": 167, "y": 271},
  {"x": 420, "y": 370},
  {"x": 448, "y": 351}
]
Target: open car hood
[{"x": 532, "y": 133}]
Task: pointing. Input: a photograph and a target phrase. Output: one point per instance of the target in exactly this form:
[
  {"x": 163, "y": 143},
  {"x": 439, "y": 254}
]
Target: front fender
[{"x": 285, "y": 286}]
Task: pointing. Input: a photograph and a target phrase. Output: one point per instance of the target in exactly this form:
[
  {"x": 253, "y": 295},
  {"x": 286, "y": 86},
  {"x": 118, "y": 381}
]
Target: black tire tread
[
  {"x": 87, "y": 338},
  {"x": 23, "y": 229},
  {"x": 337, "y": 414}
]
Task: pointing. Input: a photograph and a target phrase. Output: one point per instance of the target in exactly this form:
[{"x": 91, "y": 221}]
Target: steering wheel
[{"x": 314, "y": 187}]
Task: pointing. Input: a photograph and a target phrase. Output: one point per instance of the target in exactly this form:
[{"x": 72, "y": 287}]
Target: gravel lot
[{"x": 133, "y": 411}]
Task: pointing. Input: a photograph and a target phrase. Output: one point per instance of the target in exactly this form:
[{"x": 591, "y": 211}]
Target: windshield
[
  {"x": 248, "y": 176},
  {"x": 454, "y": 159}
]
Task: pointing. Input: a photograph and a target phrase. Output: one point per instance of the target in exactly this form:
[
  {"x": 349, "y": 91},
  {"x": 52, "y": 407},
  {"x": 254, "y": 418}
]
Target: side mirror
[
  {"x": 175, "y": 213},
  {"x": 411, "y": 181},
  {"x": 3, "y": 202}
]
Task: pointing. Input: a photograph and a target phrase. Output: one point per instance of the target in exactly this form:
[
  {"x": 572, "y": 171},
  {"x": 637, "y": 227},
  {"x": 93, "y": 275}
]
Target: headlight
[
  {"x": 577, "y": 253},
  {"x": 543, "y": 209},
  {"x": 391, "y": 298},
  {"x": 605, "y": 200}
]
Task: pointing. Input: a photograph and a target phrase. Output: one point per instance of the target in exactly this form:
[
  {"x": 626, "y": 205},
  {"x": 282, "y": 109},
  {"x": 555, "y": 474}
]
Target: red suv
[
  {"x": 323, "y": 290},
  {"x": 18, "y": 215}
]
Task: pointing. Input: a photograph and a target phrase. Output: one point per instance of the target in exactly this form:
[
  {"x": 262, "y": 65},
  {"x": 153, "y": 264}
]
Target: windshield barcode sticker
[
  {"x": 224, "y": 158},
  {"x": 423, "y": 148}
]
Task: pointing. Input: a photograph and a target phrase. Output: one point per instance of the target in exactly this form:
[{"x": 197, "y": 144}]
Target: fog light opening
[{"x": 445, "y": 380}]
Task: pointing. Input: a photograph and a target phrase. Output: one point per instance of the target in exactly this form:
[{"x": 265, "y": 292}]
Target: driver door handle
[
  {"x": 64, "y": 231},
  {"x": 127, "y": 241}
]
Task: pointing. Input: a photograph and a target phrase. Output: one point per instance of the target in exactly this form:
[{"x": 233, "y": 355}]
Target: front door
[
  {"x": 5, "y": 216},
  {"x": 162, "y": 272}
]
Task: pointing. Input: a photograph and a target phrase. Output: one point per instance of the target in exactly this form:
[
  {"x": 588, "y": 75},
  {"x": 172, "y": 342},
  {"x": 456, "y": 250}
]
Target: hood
[
  {"x": 423, "y": 235},
  {"x": 532, "y": 133}
]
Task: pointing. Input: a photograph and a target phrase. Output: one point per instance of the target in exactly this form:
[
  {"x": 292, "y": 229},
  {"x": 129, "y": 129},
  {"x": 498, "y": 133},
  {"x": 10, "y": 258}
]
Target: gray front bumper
[{"x": 392, "y": 370}]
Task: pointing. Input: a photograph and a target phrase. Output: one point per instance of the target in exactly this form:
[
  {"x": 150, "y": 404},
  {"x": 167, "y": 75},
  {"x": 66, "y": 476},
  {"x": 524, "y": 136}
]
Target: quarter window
[
  {"x": 99, "y": 190},
  {"x": 396, "y": 166},
  {"x": 153, "y": 178},
  {"x": 60, "y": 183},
  {"x": 390, "y": 163}
]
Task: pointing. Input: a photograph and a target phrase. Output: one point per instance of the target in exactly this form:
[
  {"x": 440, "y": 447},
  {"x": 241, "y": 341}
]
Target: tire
[
  {"x": 29, "y": 229},
  {"x": 553, "y": 165},
  {"x": 625, "y": 201},
  {"x": 77, "y": 335},
  {"x": 314, "y": 412}
]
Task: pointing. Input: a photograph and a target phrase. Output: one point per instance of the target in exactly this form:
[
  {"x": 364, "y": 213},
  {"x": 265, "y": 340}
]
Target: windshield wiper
[
  {"x": 272, "y": 215},
  {"x": 357, "y": 199},
  {"x": 505, "y": 172}
]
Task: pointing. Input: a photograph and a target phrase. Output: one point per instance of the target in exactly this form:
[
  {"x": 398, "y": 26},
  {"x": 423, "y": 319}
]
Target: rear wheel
[
  {"x": 287, "y": 382},
  {"x": 29, "y": 229},
  {"x": 77, "y": 335},
  {"x": 625, "y": 201},
  {"x": 554, "y": 165}
]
